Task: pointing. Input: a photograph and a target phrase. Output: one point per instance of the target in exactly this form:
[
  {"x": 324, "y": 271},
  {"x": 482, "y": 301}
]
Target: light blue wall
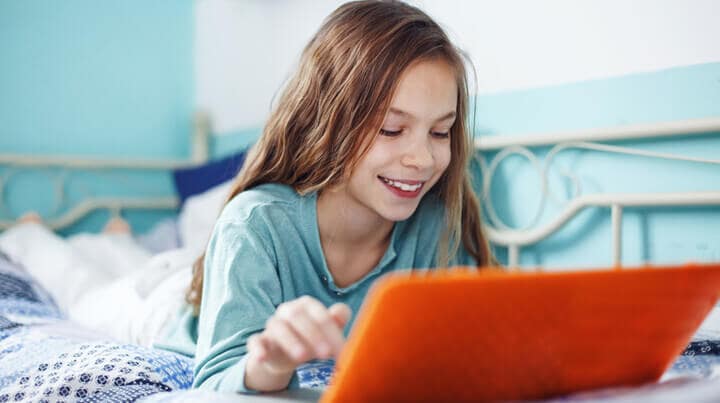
[{"x": 95, "y": 79}]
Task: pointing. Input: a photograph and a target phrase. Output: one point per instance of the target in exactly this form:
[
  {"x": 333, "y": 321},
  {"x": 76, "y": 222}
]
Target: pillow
[
  {"x": 114, "y": 254},
  {"x": 61, "y": 362},
  {"x": 198, "y": 215},
  {"x": 53, "y": 262},
  {"x": 195, "y": 180},
  {"x": 22, "y": 299}
]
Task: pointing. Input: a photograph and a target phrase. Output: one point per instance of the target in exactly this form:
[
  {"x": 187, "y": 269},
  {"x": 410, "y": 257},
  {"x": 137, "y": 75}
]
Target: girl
[{"x": 362, "y": 169}]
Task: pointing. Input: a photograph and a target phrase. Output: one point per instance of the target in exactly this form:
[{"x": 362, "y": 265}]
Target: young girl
[{"x": 361, "y": 170}]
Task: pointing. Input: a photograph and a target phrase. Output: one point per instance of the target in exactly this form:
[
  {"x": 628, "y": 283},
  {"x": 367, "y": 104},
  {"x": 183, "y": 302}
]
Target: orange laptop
[{"x": 492, "y": 335}]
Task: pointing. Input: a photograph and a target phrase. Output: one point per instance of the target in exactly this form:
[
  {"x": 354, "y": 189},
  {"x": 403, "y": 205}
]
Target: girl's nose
[{"x": 419, "y": 153}]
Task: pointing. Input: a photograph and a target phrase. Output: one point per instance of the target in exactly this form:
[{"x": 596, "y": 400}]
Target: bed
[{"x": 65, "y": 336}]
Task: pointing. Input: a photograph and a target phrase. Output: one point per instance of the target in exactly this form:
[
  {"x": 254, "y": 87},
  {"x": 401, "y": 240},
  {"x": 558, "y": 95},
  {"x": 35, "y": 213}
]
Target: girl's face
[{"x": 412, "y": 149}]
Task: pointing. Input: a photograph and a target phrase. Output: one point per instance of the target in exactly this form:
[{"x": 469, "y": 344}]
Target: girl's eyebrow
[{"x": 399, "y": 112}]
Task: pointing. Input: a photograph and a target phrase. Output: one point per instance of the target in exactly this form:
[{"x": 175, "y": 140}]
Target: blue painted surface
[
  {"x": 673, "y": 94},
  {"x": 95, "y": 79},
  {"x": 228, "y": 143}
]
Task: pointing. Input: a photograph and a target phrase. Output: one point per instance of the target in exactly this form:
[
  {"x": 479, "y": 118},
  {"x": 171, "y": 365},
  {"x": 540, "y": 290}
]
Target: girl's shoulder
[{"x": 261, "y": 199}]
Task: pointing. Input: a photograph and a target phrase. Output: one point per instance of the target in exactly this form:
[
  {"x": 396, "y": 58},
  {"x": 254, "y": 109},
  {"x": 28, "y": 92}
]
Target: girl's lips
[
  {"x": 405, "y": 181},
  {"x": 414, "y": 191}
]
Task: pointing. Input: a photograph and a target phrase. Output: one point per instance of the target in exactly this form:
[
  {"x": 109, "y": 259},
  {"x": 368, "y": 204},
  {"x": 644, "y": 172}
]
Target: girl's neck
[
  {"x": 347, "y": 224},
  {"x": 353, "y": 237}
]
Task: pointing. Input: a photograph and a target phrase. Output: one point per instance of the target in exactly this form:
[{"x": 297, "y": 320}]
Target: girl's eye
[
  {"x": 390, "y": 133},
  {"x": 441, "y": 135}
]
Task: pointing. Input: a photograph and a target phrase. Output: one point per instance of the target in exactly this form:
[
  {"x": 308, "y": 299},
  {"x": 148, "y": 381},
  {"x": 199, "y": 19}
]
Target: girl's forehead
[{"x": 426, "y": 90}]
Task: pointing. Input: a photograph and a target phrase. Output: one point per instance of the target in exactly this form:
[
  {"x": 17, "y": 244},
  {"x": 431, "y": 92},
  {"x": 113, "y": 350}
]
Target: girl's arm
[
  {"x": 241, "y": 289},
  {"x": 244, "y": 343}
]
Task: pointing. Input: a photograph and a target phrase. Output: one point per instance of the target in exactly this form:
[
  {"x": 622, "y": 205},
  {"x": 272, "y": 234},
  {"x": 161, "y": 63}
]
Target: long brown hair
[{"x": 332, "y": 108}]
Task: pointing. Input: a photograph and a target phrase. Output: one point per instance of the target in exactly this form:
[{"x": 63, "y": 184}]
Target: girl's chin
[{"x": 397, "y": 213}]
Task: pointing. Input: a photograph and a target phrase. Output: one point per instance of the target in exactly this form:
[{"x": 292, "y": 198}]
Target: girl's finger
[
  {"x": 340, "y": 313},
  {"x": 312, "y": 335},
  {"x": 292, "y": 346},
  {"x": 332, "y": 333},
  {"x": 296, "y": 315}
]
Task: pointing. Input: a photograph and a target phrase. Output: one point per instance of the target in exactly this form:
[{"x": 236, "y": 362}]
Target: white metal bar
[
  {"x": 654, "y": 130},
  {"x": 513, "y": 256},
  {"x": 199, "y": 142},
  {"x": 616, "y": 217},
  {"x": 68, "y": 161},
  {"x": 112, "y": 204},
  {"x": 528, "y": 237}
]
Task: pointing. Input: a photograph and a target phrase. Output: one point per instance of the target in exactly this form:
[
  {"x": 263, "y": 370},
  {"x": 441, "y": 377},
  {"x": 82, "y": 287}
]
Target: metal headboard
[
  {"x": 200, "y": 147},
  {"x": 506, "y": 145}
]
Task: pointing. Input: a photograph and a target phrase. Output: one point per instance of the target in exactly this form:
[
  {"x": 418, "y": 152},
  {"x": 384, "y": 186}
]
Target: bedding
[
  {"x": 198, "y": 215},
  {"x": 68, "y": 267},
  {"x": 96, "y": 349},
  {"x": 105, "y": 282},
  {"x": 45, "y": 357}
]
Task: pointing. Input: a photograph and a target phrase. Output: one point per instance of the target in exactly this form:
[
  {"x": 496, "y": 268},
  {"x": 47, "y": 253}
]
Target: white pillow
[
  {"x": 198, "y": 215},
  {"x": 57, "y": 265},
  {"x": 136, "y": 307},
  {"x": 114, "y": 254}
]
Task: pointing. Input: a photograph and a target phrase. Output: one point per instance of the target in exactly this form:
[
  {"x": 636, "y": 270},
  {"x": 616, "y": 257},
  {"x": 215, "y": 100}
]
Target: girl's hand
[{"x": 299, "y": 331}]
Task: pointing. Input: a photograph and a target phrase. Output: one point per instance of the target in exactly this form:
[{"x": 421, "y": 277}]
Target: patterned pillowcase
[
  {"x": 53, "y": 360},
  {"x": 48, "y": 363},
  {"x": 22, "y": 299}
]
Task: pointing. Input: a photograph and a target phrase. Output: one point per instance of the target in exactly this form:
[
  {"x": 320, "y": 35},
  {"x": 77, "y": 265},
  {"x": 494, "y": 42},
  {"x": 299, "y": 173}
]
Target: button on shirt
[{"x": 265, "y": 250}]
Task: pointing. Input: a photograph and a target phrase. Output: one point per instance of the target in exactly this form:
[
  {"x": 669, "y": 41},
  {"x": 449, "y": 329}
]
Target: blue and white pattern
[
  {"x": 701, "y": 359},
  {"x": 316, "y": 374},
  {"x": 44, "y": 357},
  {"x": 22, "y": 300},
  {"x": 41, "y": 366}
]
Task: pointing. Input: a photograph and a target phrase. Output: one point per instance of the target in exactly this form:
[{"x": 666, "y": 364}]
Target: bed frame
[
  {"x": 502, "y": 145},
  {"x": 506, "y": 145},
  {"x": 200, "y": 136}
]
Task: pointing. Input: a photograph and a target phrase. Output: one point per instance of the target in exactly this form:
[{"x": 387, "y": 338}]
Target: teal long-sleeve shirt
[{"x": 265, "y": 250}]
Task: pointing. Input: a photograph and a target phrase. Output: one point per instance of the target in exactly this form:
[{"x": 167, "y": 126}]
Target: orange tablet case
[{"x": 492, "y": 335}]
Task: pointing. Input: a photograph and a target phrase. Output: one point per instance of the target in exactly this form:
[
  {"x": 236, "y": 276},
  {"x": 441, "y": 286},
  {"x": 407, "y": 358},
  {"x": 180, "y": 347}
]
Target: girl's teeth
[{"x": 402, "y": 186}]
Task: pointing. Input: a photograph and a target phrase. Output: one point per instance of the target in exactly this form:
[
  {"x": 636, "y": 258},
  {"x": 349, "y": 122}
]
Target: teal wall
[{"x": 95, "y": 79}]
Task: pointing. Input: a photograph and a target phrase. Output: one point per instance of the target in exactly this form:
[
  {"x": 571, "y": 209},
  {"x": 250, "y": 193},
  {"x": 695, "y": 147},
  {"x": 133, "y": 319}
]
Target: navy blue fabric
[
  {"x": 194, "y": 180},
  {"x": 703, "y": 347}
]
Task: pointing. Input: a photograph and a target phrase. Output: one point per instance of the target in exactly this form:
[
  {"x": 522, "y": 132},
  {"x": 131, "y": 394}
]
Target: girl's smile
[{"x": 403, "y": 188}]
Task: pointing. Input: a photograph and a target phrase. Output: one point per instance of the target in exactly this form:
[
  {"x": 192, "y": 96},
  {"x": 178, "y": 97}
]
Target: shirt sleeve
[{"x": 241, "y": 290}]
